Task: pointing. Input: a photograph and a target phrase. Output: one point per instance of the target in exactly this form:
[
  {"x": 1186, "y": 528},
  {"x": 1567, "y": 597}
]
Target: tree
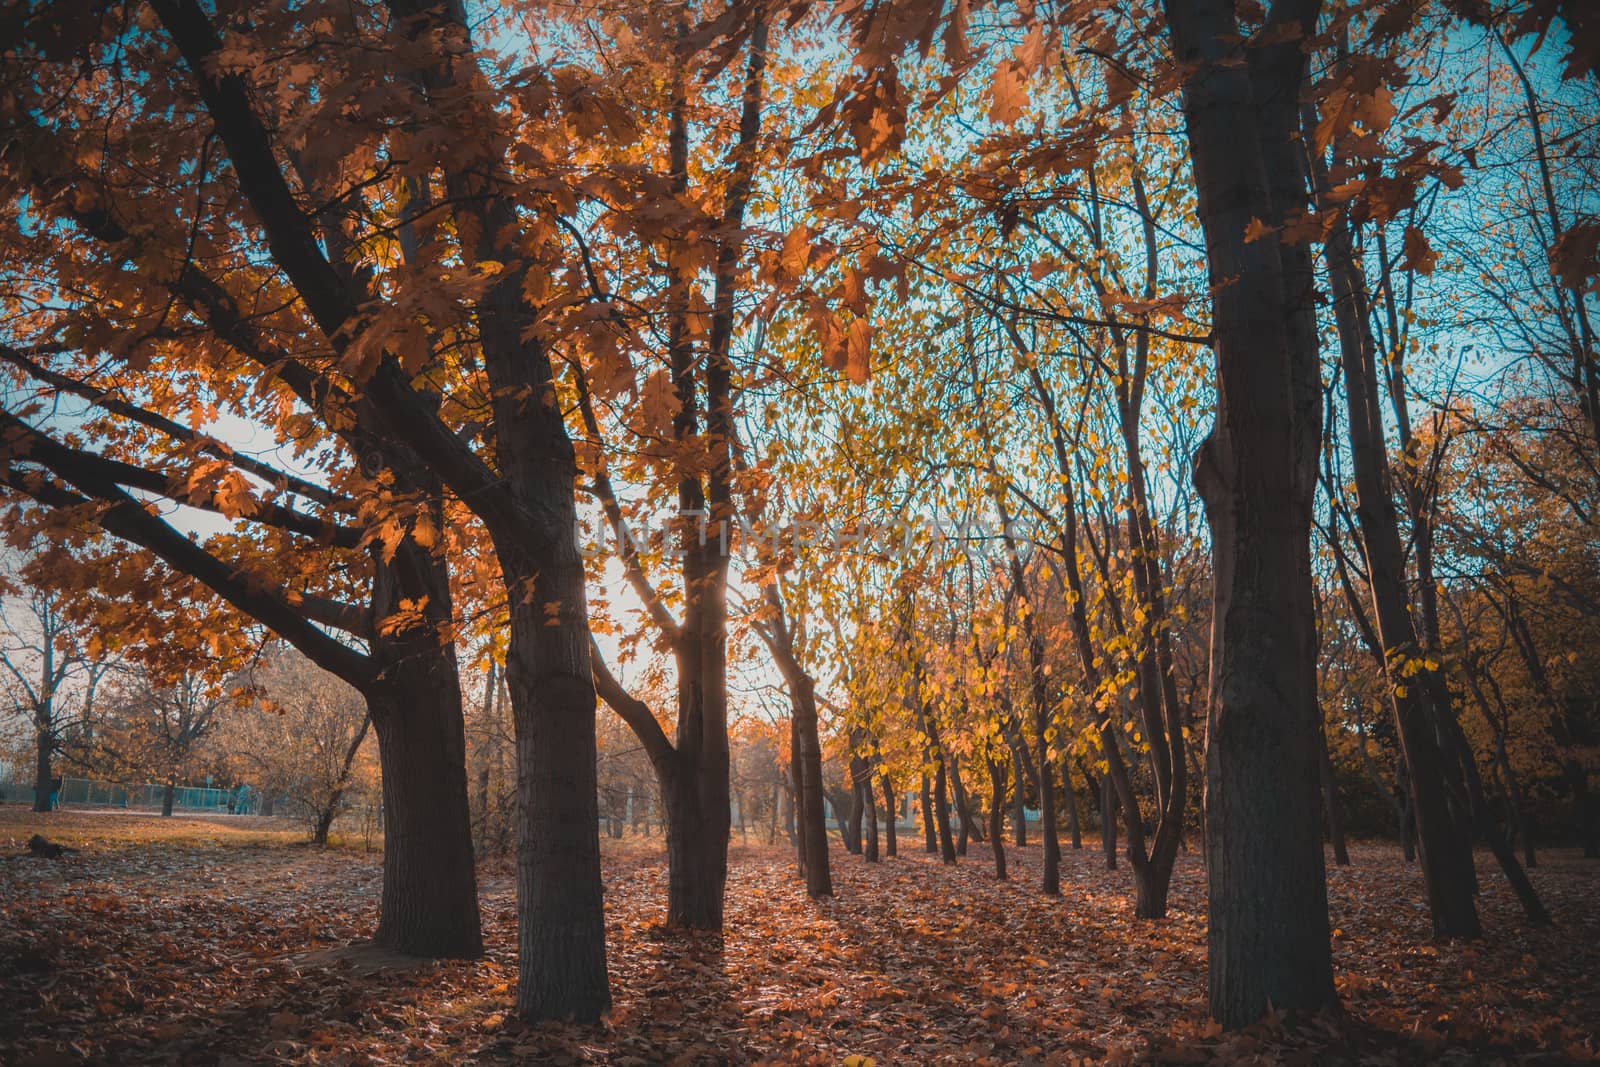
[
  {"x": 53, "y": 673},
  {"x": 299, "y": 735},
  {"x": 1256, "y": 471},
  {"x": 157, "y": 727}
]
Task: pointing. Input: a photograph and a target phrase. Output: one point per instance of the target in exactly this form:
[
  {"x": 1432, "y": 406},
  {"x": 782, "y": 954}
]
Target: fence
[{"x": 117, "y": 795}]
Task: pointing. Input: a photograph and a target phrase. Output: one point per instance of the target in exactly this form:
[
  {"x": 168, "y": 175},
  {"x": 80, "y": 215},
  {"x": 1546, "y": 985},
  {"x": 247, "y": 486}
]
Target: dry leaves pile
[{"x": 185, "y": 942}]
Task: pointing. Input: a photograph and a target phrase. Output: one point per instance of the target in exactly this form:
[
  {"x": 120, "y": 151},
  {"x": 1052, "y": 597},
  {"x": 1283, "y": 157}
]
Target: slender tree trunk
[
  {"x": 167, "y": 792},
  {"x": 1583, "y": 807},
  {"x": 1073, "y": 822},
  {"x": 1445, "y": 852},
  {"x": 796, "y": 799},
  {"x": 964, "y": 823},
  {"x": 1051, "y": 878},
  {"x": 930, "y": 841},
  {"x": 858, "y": 773},
  {"x": 941, "y": 813},
  {"x": 42, "y": 777},
  {"x": 869, "y": 808},
  {"x": 1019, "y": 800},
  {"x": 1408, "y": 827},
  {"x": 997, "y": 805},
  {"x": 486, "y": 725},
  {"x": 1330, "y": 804},
  {"x": 891, "y": 845},
  {"x": 1108, "y": 821}
]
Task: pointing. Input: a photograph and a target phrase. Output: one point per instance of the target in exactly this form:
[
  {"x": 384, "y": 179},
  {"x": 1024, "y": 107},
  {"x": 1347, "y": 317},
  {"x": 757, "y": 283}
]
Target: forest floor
[{"x": 186, "y": 941}]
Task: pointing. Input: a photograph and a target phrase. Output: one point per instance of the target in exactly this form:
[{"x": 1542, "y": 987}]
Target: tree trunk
[
  {"x": 319, "y": 830},
  {"x": 1051, "y": 880},
  {"x": 429, "y": 900},
  {"x": 812, "y": 816},
  {"x": 1408, "y": 828},
  {"x": 869, "y": 809},
  {"x": 842, "y": 801},
  {"x": 1108, "y": 821},
  {"x": 1445, "y": 852},
  {"x": 941, "y": 813},
  {"x": 930, "y": 841},
  {"x": 857, "y": 808},
  {"x": 1019, "y": 801},
  {"x": 997, "y": 804},
  {"x": 561, "y": 950},
  {"x": 42, "y": 778},
  {"x": 1074, "y": 823},
  {"x": 1256, "y": 472},
  {"x": 167, "y": 792},
  {"x": 891, "y": 845},
  {"x": 697, "y": 857},
  {"x": 1330, "y": 803},
  {"x": 965, "y": 828},
  {"x": 1583, "y": 807}
]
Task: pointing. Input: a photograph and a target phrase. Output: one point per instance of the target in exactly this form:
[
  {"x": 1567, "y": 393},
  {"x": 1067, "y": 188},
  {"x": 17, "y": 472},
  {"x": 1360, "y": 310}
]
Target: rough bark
[{"x": 1256, "y": 471}]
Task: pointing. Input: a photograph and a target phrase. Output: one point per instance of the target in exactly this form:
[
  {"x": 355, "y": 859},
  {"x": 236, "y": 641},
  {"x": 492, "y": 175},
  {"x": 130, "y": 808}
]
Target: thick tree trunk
[
  {"x": 561, "y": 946},
  {"x": 167, "y": 792},
  {"x": 891, "y": 845},
  {"x": 813, "y": 822},
  {"x": 858, "y": 805},
  {"x": 429, "y": 900},
  {"x": 1268, "y": 907},
  {"x": 321, "y": 828},
  {"x": 697, "y": 858}
]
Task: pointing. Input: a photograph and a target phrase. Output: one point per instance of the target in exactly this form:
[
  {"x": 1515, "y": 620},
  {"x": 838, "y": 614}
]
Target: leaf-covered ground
[{"x": 186, "y": 941}]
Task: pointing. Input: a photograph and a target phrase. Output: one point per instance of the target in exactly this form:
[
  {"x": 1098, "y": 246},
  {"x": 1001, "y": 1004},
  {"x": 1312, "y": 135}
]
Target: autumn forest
[{"x": 892, "y": 531}]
